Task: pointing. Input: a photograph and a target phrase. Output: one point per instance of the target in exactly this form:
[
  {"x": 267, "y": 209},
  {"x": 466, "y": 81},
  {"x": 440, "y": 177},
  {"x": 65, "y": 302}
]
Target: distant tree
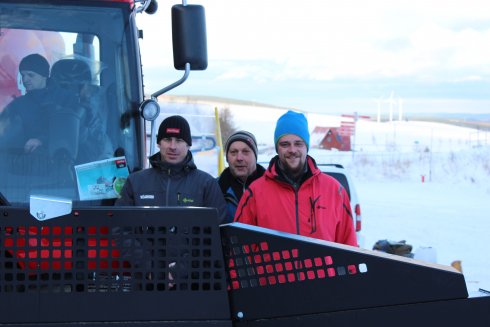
[{"x": 226, "y": 124}]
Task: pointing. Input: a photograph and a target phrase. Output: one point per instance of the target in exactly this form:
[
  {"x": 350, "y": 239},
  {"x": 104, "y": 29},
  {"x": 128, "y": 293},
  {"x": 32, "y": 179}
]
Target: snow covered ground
[
  {"x": 446, "y": 212},
  {"x": 449, "y": 217}
]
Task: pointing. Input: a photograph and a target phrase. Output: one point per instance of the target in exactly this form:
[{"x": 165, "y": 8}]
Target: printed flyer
[{"x": 102, "y": 179}]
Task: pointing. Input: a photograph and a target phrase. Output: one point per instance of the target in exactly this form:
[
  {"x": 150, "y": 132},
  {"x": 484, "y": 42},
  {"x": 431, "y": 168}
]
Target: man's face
[
  {"x": 32, "y": 80},
  {"x": 241, "y": 160},
  {"x": 292, "y": 153},
  {"x": 173, "y": 150}
]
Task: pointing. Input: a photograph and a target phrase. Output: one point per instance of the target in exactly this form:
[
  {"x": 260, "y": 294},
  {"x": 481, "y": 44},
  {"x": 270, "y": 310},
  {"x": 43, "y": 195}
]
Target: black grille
[{"x": 120, "y": 256}]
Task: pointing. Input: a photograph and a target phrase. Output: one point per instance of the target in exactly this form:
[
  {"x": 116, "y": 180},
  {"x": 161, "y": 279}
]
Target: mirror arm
[
  {"x": 152, "y": 138},
  {"x": 143, "y": 6},
  {"x": 174, "y": 85}
]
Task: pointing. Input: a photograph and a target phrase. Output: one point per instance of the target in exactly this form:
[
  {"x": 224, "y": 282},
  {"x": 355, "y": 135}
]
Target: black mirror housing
[{"x": 189, "y": 37}]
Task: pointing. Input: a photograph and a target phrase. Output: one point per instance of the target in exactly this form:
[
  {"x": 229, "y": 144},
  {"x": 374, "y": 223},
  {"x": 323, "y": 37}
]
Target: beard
[{"x": 294, "y": 164}]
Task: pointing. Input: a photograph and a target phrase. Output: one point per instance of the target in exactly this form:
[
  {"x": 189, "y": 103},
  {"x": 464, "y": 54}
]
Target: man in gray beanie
[
  {"x": 241, "y": 156},
  {"x": 173, "y": 179}
]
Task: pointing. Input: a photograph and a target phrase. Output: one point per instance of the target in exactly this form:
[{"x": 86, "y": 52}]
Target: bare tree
[{"x": 226, "y": 123}]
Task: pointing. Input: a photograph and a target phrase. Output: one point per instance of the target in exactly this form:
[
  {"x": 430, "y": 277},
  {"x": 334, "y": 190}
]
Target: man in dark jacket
[
  {"x": 173, "y": 179},
  {"x": 26, "y": 116},
  {"x": 241, "y": 155}
]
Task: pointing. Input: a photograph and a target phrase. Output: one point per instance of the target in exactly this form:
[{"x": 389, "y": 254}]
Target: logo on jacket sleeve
[
  {"x": 187, "y": 200},
  {"x": 147, "y": 197}
]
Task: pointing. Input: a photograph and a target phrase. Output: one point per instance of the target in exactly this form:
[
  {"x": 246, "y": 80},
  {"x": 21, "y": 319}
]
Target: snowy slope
[{"x": 447, "y": 212}]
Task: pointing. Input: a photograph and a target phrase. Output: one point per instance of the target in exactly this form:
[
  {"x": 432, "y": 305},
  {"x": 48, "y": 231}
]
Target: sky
[{"x": 334, "y": 56}]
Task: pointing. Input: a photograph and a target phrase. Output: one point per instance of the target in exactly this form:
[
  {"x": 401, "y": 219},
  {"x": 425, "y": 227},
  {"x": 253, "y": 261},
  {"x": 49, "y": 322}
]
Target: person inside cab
[
  {"x": 40, "y": 129},
  {"x": 24, "y": 119},
  {"x": 74, "y": 77}
]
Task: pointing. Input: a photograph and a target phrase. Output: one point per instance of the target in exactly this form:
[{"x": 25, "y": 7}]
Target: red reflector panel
[{"x": 358, "y": 218}]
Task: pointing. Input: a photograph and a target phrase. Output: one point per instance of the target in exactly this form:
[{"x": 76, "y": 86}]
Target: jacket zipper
[
  {"x": 168, "y": 190},
  {"x": 296, "y": 204}
]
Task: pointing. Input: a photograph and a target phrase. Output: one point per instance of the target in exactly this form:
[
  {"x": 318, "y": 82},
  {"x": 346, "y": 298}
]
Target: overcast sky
[{"x": 334, "y": 56}]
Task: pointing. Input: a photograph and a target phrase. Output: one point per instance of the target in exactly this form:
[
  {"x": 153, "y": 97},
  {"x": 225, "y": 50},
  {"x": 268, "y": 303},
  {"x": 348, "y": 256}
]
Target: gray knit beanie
[{"x": 245, "y": 137}]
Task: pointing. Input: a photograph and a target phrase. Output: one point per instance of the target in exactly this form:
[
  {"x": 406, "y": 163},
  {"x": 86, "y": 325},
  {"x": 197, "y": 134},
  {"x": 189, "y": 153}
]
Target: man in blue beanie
[{"x": 293, "y": 195}]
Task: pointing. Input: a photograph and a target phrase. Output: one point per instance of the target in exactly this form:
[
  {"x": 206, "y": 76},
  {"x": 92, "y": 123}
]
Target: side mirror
[
  {"x": 189, "y": 42},
  {"x": 189, "y": 37}
]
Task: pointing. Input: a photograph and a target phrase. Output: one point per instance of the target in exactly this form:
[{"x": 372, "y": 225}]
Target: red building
[{"x": 331, "y": 138}]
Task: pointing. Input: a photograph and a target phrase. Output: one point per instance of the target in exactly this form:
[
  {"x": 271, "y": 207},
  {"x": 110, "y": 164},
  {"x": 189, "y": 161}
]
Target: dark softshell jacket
[
  {"x": 233, "y": 188},
  {"x": 173, "y": 185}
]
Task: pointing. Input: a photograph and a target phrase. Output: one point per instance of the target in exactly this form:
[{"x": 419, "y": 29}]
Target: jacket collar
[
  {"x": 275, "y": 172},
  {"x": 227, "y": 180},
  {"x": 183, "y": 167}
]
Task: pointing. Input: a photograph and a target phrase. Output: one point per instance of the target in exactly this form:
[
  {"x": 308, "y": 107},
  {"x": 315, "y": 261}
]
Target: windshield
[{"x": 66, "y": 101}]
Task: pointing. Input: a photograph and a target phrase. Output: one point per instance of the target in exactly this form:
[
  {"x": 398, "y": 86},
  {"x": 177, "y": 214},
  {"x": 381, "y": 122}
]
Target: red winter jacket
[{"x": 320, "y": 207}]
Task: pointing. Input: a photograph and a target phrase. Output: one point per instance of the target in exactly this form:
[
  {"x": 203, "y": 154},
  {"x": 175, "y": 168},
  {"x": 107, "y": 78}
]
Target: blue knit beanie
[{"x": 292, "y": 123}]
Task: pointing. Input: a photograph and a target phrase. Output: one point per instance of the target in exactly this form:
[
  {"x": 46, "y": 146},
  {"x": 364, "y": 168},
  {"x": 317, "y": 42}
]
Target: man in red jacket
[{"x": 293, "y": 195}]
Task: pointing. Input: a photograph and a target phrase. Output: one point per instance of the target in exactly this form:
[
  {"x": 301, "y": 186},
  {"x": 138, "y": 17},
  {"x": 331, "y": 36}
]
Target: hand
[{"x": 31, "y": 145}]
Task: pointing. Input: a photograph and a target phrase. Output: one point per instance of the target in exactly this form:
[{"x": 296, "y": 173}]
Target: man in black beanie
[
  {"x": 173, "y": 179},
  {"x": 241, "y": 156}
]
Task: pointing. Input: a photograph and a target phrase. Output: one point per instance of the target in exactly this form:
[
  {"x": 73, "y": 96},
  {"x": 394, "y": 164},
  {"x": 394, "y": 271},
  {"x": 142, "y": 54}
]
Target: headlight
[{"x": 149, "y": 109}]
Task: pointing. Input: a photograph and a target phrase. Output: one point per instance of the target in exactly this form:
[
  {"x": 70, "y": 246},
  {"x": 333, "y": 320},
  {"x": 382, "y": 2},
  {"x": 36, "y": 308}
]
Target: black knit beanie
[
  {"x": 35, "y": 63},
  {"x": 244, "y": 136},
  {"x": 175, "y": 126}
]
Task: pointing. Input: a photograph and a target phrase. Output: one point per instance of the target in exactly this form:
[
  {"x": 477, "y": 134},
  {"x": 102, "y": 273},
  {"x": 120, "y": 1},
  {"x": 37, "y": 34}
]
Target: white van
[{"x": 338, "y": 172}]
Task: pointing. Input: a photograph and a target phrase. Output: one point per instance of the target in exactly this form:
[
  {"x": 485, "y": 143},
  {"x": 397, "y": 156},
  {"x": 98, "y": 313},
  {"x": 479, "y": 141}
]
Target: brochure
[{"x": 102, "y": 179}]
